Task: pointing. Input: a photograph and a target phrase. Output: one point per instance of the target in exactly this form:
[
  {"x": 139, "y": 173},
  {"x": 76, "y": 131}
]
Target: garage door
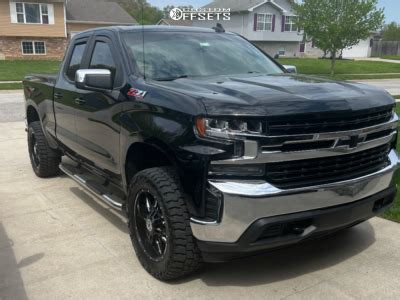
[{"x": 360, "y": 50}]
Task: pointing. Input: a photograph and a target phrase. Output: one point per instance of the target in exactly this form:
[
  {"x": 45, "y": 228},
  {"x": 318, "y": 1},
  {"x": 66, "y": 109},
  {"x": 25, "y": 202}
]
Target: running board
[{"x": 93, "y": 187}]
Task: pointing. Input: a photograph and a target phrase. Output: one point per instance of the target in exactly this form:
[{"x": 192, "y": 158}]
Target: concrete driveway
[
  {"x": 57, "y": 241},
  {"x": 390, "y": 85}
]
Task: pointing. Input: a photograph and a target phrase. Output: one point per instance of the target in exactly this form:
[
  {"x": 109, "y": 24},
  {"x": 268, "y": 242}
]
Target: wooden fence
[{"x": 381, "y": 48}]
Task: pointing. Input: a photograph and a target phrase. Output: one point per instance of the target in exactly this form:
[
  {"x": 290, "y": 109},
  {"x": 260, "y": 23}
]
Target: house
[
  {"x": 172, "y": 22},
  {"x": 269, "y": 24},
  {"x": 40, "y": 29},
  {"x": 363, "y": 49},
  {"x": 85, "y": 14}
]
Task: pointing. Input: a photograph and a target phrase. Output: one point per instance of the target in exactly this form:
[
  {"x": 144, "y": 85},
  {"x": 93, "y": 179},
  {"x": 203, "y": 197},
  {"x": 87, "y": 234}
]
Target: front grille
[
  {"x": 319, "y": 124},
  {"x": 326, "y": 170}
]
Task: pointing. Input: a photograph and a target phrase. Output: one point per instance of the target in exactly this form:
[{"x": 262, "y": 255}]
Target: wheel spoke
[
  {"x": 148, "y": 205},
  {"x": 140, "y": 212},
  {"x": 159, "y": 246},
  {"x": 151, "y": 224}
]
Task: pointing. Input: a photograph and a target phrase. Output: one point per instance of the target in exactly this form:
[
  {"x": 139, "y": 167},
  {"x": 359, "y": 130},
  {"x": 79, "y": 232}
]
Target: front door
[
  {"x": 97, "y": 129},
  {"x": 302, "y": 47}
]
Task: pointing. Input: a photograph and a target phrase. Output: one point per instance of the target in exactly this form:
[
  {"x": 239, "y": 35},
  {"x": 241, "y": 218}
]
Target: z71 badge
[{"x": 136, "y": 93}]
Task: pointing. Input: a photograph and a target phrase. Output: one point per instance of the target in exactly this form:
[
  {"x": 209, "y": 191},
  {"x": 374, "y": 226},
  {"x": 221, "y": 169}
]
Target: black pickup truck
[{"x": 212, "y": 148}]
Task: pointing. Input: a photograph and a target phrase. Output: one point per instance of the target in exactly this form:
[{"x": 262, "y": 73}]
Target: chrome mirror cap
[
  {"x": 80, "y": 75},
  {"x": 290, "y": 69}
]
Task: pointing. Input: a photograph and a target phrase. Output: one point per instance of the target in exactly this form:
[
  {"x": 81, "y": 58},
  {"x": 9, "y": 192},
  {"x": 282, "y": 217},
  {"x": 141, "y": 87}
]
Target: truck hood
[{"x": 274, "y": 95}]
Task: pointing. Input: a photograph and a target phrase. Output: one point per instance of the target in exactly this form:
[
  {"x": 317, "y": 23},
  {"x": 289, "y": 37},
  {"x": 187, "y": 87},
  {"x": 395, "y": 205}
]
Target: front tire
[
  {"x": 159, "y": 225},
  {"x": 44, "y": 160}
]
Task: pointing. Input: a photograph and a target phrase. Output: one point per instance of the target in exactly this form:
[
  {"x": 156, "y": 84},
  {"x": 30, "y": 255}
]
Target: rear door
[
  {"x": 65, "y": 93},
  {"x": 97, "y": 129}
]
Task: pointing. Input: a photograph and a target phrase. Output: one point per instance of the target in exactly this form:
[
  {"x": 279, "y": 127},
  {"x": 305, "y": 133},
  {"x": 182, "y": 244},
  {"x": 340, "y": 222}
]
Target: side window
[
  {"x": 102, "y": 58},
  {"x": 75, "y": 61}
]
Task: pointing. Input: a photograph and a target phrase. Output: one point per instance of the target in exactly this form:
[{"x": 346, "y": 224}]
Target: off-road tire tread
[
  {"x": 185, "y": 256},
  {"x": 49, "y": 158}
]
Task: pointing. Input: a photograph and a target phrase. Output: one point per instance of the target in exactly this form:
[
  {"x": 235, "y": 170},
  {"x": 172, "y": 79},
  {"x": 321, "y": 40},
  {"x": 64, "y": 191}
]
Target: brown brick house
[{"x": 40, "y": 29}]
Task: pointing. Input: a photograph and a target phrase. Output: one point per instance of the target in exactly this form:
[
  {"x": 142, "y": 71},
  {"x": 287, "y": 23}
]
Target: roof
[
  {"x": 173, "y": 22},
  {"x": 97, "y": 11},
  {"x": 242, "y": 5}
]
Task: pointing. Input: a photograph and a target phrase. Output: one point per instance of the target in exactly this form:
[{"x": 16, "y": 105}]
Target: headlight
[{"x": 224, "y": 128}]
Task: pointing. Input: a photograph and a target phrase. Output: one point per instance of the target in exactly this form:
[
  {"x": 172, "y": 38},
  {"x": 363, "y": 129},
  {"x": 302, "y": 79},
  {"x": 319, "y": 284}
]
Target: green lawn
[
  {"x": 394, "y": 57},
  {"x": 394, "y": 213},
  {"x": 10, "y": 86},
  {"x": 16, "y": 70},
  {"x": 362, "y": 69}
]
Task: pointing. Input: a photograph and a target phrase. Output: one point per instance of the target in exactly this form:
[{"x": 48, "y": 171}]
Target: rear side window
[
  {"x": 102, "y": 58},
  {"x": 76, "y": 60}
]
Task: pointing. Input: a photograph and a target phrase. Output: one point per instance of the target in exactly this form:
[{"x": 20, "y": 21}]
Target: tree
[
  {"x": 391, "y": 32},
  {"x": 142, "y": 11},
  {"x": 168, "y": 8},
  {"x": 335, "y": 25}
]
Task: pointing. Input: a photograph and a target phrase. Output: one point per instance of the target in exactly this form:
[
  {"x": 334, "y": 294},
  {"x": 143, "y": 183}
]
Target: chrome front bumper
[{"x": 246, "y": 202}]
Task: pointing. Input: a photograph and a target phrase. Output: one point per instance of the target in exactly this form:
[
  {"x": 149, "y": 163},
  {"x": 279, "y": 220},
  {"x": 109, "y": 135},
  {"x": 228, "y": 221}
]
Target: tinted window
[
  {"x": 76, "y": 60},
  {"x": 102, "y": 58},
  {"x": 174, "y": 54}
]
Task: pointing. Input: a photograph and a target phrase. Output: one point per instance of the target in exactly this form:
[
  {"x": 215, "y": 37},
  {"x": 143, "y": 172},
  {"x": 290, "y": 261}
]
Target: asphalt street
[{"x": 57, "y": 242}]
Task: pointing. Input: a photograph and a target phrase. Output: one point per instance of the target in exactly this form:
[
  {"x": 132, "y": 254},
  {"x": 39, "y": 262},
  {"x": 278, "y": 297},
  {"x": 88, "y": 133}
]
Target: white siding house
[{"x": 266, "y": 23}]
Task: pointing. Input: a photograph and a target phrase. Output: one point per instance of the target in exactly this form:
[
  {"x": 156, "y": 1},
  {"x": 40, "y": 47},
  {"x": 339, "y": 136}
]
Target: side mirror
[
  {"x": 93, "y": 79},
  {"x": 290, "y": 69}
]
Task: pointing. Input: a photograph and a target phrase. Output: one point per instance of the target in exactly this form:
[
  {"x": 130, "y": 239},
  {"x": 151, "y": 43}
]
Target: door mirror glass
[
  {"x": 290, "y": 69},
  {"x": 93, "y": 79}
]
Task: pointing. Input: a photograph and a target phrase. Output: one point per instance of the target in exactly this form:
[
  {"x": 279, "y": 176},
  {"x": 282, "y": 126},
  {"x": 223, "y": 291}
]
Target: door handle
[
  {"x": 58, "y": 96},
  {"x": 80, "y": 101}
]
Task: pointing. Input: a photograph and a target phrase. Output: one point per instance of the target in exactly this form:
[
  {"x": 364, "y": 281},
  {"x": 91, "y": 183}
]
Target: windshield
[{"x": 172, "y": 55}]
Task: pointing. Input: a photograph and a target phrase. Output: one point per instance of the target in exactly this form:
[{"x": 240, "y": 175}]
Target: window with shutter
[
  {"x": 290, "y": 23},
  {"x": 264, "y": 22}
]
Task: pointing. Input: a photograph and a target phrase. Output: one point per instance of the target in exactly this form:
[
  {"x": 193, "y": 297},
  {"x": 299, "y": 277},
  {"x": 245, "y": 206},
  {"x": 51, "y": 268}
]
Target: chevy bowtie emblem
[{"x": 353, "y": 143}]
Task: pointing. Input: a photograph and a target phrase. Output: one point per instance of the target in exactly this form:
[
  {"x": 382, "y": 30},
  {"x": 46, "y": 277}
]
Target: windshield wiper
[{"x": 171, "y": 78}]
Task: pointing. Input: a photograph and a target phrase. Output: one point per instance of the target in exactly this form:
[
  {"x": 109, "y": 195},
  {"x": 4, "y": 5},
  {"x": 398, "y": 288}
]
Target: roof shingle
[{"x": 97, "y": 11}]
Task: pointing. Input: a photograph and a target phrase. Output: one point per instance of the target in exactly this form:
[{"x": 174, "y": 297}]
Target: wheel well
[
  {"x": 32, "y": 115},
  {"x": 143, "y": 156}
]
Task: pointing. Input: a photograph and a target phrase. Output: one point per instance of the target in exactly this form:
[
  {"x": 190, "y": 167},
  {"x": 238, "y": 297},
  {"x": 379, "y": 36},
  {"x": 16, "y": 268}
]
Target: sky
[{"x": 392, "y": 7}]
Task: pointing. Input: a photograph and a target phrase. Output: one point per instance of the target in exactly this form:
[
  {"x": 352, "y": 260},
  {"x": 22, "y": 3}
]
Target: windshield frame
[{"x": 138, "y": 73}]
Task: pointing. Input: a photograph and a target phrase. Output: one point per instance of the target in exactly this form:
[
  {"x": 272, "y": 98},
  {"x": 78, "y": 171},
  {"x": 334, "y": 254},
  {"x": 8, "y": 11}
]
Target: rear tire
[
  {"x": 166, "y": 247},
  {"x": 44, "y": 160}
]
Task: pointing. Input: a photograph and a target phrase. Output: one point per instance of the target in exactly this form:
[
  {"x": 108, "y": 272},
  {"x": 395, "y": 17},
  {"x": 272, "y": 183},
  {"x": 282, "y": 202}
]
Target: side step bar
[{"x": 93, "y": 187}]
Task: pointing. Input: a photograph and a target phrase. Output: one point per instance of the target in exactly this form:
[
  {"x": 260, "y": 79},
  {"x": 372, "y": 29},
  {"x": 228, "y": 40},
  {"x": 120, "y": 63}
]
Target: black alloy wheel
[
  {"x": 44, "y": 159},
  {"x": 150, "y": 225},
  {"x": 159, "y": 224}
]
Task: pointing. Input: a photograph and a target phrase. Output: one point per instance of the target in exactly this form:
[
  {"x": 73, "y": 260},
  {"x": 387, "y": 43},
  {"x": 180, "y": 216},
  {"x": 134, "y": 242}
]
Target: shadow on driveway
[
  {"x": 11, "y": 282},
  {"x": 273, "y": 266},
  {"x": 114, "y": 217},
  {"x": 291, "y": 262}
]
